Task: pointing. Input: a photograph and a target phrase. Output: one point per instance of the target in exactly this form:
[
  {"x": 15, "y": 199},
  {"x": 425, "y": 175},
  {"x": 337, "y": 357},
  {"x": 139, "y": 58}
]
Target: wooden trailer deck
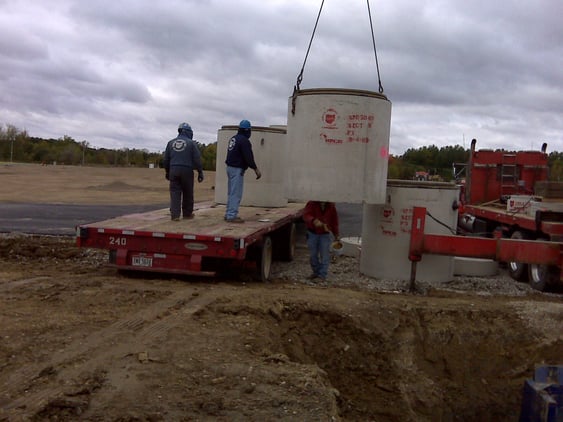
[{"x": 208, "y": 221}]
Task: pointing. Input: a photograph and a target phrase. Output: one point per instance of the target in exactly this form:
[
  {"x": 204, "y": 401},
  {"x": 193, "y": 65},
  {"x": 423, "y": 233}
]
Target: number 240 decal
[{"x": 117, "y": 241}]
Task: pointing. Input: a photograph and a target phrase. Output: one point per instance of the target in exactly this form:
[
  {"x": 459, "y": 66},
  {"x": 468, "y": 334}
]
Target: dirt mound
[{"x": 83, "y": 342}]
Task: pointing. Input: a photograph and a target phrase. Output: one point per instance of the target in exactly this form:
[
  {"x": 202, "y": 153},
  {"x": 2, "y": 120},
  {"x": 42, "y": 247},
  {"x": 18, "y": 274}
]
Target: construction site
[
  {"x": 82, "y": 341},
  {"x": 444, "y": 303}
]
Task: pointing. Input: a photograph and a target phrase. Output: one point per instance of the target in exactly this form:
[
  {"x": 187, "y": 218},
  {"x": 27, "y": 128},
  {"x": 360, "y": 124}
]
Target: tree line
[
  {"x": 446, "y": 163},
  {"x": 17, "y": 146}
]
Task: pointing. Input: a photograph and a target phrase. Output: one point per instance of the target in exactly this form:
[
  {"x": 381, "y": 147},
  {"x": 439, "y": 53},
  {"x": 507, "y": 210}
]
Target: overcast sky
[{"x": 124, "y": 74}]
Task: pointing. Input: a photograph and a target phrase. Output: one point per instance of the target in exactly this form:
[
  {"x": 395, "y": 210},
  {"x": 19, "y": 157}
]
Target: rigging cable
[
  {"x": 297, "y": 86},
  {"x": 374, "y": 49},
  {"x": 300, "y": 76}
]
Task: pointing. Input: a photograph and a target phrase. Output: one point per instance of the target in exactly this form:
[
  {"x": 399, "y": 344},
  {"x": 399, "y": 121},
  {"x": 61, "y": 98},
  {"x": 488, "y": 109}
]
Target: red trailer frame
[
  {"x": 547, "y": 222},
  {"x": 508, "y": 193},
  {"x": 203, "y": 245},
  {"x": 498, "y": 249}
]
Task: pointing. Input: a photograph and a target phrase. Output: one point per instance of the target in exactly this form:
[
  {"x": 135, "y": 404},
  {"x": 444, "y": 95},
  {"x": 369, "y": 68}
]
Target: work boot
[
  {"x": 175, "y": 218},
  {"x": 188, "y": 217},
  {"x": 235, "y": 220}
]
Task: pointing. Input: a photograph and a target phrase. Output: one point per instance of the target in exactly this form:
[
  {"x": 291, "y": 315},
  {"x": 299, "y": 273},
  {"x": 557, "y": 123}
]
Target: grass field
[{"x": 34, "y": 183}]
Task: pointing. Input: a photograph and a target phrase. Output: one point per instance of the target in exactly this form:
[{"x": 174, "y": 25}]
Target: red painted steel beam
[{"x": 505, "y": 250}]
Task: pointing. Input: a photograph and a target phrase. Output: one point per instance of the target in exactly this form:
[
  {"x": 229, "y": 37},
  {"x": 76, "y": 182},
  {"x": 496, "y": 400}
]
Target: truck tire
[
  {"x": 284, "y": 242},
  {"x": 264, "y": 261},
  {"x": 540, "y": 277},
  {"x": 518, "y": 270}
]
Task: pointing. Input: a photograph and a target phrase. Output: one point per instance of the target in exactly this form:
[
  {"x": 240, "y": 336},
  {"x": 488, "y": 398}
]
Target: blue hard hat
[
  {"x": 184, "y": 126},
  {"x": 244, "y": 124}
]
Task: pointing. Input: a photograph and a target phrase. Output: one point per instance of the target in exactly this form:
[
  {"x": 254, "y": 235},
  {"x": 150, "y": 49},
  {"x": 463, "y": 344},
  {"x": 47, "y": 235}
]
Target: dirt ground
[{"x": 80, "y": 341}]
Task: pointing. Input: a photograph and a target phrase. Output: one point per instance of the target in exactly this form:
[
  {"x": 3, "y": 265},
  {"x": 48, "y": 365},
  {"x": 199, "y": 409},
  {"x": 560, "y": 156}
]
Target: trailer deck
[
  {"x": 151, "y": 241},
  {"x": 550, "y": 222}
]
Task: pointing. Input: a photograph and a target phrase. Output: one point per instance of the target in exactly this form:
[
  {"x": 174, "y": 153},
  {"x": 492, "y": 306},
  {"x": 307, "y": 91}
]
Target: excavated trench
[
  {"x": 230, "y": 350},
  {"x": 413, "y": 362}
]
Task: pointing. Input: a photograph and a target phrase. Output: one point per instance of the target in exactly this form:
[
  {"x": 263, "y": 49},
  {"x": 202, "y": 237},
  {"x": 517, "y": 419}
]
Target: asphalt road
[{"x": 61, "y": 219}]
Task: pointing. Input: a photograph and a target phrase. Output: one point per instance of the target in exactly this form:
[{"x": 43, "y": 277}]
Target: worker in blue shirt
[
  {"x": 181, "y": 158},
  {"x": 239, "y": 158}
]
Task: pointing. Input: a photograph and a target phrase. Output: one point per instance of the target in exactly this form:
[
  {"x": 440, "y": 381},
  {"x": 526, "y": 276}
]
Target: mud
[
  {"x": 83, "y": 342},
  {"x": 80, "y": 341}
]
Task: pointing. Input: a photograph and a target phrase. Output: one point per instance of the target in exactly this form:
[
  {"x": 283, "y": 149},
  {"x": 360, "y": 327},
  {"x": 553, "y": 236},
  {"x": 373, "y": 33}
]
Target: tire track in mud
[
  {"x": 40, "y": 383},
  {"x": 7, "y": 286}
]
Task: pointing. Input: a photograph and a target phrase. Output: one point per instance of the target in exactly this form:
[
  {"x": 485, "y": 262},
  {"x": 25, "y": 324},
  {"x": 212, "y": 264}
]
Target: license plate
[{"x": 142, "y": 261}]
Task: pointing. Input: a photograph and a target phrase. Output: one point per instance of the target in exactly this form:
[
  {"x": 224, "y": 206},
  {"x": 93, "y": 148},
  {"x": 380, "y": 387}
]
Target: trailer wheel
[
  {"x": 264, "y": 261},
  {"x": 284, "y": 242},
  {"x": 518, "y": 270},
  {"x": 540, "y": 277}
]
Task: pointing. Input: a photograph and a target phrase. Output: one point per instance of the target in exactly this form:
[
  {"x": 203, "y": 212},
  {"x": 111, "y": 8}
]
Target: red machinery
[
  {"x": 204, "y": 245},
  {"x": 508, "y": 193},
  {"x": 542, "y": 253}
]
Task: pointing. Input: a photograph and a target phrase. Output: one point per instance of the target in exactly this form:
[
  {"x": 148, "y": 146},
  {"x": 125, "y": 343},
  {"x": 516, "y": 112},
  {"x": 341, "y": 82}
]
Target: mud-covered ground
[
  {"x": 82, "y": 342},
  {"x": 79, "y": 341}
]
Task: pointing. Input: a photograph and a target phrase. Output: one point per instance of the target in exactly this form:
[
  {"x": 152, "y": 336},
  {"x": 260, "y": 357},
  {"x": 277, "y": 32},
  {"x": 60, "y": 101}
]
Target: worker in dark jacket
[
  {"x": 239, "y": 158},
  {"x": 181, "y": 158},
  {"x": 321, "y": 220}
]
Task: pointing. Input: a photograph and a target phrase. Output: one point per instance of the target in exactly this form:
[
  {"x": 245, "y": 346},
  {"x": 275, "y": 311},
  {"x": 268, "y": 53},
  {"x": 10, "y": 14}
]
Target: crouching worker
[{"x": 321, "y": 219}]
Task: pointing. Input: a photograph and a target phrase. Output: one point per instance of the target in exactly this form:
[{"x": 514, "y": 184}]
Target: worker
[
  {"x": 321, "y": 220},
  {"x": 181, "y": 158},
  {"x": 239, "y": 158}
]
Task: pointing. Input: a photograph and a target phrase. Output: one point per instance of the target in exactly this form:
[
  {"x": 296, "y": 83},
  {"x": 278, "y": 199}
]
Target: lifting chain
[{"x": 296, "y": 87}]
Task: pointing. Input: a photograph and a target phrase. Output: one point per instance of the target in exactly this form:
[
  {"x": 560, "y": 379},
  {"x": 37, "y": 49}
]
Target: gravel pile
[{"x": 344, "y": 272}]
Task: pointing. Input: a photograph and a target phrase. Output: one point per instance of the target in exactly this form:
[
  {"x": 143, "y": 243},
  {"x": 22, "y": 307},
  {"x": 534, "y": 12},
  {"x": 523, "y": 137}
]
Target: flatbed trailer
[
  {"x": 546, "y": 224},
  {"x": 507, "y": 194},
  {"x": 205, "y": 245},
  {"x": 544, "y": 254}
]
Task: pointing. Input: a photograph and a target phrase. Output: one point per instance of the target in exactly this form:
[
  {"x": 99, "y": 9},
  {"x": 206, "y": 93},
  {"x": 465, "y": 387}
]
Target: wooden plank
[{"x": 208, "y": 221}]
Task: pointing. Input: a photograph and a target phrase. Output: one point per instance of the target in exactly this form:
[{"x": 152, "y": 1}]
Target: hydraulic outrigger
[{"x": 498, "y": 249}]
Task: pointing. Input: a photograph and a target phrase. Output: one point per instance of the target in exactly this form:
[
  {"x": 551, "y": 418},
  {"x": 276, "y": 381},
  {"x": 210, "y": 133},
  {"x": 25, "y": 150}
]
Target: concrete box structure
[
  {"x": 268, "y": 146},
  {"x": 519, "y": 203},
  {"x": 386, "y": 231},
  {"x": 338, "y": 146}
]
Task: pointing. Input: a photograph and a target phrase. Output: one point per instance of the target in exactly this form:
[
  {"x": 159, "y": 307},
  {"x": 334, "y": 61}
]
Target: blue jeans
[
  {"x": 235, "y": 185},
  {"x": 319, "y": 252}
]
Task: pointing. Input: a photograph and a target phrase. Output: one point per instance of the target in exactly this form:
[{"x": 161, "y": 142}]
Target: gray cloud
[{"x": 124, "y": 74}]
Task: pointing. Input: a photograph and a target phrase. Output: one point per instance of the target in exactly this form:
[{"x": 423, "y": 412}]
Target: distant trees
[
  {"x": 555, "y": 163},
  {"x": 209, "y": 156},
  {"x": 436, "y": 161},
  {"x": 17, "y": 145},
  {"x": 11, "y": 142}
]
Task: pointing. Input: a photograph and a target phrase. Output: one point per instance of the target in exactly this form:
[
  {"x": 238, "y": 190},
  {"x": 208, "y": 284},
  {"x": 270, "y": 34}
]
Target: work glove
[
  {"x": 167, "y": 176},
  {"x": 200, "y": 177},
  {"x": 258, "y": 173}
]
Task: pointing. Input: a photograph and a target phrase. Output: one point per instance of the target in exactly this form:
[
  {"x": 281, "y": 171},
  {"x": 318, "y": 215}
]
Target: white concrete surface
[
  {"x": 386, "y": 231},
  {"x": 475, "y": 267},
  {"x": 338, "y": 146},
  {"x": 268, "y": 146}
]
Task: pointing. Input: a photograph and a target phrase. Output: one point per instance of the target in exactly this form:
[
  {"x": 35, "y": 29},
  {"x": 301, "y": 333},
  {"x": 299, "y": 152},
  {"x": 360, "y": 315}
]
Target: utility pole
[{"x": 12, "y": 150}]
